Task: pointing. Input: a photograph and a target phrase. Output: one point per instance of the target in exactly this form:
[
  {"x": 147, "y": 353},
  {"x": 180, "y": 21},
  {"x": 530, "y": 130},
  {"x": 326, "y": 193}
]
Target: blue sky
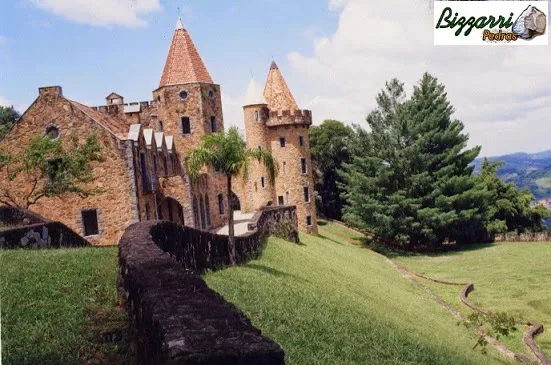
[
  {"x": 89, "y": 61},
  {"x": 335, "y": 55}
]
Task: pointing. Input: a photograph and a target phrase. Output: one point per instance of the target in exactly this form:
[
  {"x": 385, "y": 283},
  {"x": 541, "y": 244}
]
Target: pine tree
[{"x": 410, "y": 182}]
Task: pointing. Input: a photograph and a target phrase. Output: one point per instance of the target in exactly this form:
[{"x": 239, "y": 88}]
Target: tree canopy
[
  {"x": 8, "y": 116},
  {"x": 44, "y": 168},
  {"x": 329, "y": 148},
  {"x": 410, "y": 181}
]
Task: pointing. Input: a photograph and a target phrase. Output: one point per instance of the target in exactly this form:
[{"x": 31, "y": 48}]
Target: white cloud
[
  {"x": 233, "y": 111},
  {"x": 502, "y": 94},
  {"x": 4, "y": 101},
  {"x": 105, "y": 13}
]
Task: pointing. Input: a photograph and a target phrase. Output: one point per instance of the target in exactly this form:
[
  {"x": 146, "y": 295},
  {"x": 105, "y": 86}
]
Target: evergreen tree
[
  {"x": 410, "y": 182},
  {"x": 329, "y": 149}
]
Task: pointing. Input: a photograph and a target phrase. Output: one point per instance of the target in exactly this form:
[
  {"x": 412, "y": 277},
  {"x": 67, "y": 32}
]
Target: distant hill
[{"x": 530, "y": 171}]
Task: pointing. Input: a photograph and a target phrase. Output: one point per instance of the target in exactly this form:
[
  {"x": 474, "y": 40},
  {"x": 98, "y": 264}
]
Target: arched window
[
  {"x": 220, "y": 204},
  {"x": 207, "y": 208}
]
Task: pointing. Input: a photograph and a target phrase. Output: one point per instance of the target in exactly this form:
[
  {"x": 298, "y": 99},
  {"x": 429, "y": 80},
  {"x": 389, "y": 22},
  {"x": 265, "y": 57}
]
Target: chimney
[{"x": 50, "y": 91}]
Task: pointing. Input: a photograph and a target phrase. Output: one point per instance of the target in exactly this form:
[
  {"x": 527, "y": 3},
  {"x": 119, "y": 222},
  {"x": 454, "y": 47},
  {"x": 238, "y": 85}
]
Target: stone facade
[{"x": 145, "y": 143}]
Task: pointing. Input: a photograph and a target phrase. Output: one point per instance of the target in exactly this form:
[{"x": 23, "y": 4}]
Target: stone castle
[{"x": 144, "y": 144}]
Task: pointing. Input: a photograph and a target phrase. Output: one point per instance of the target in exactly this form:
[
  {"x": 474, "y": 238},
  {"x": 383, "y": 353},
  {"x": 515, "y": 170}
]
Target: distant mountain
[{"x": 530, "y": 171}]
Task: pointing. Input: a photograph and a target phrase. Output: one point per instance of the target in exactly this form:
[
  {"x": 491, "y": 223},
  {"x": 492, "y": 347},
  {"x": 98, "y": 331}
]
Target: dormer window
[{"x": 183, "y": 94}]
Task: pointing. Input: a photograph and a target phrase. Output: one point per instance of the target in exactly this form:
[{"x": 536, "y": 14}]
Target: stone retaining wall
[
  {"x": 174, "y": 317},
  {"x": 31, "y": 230},
  {"x": 524, "y": 237}
]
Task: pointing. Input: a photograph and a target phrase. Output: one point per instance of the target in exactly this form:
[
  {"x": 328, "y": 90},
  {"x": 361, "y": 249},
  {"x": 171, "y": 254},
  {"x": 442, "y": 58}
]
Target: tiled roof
[
  {"x": 276, "y": 91},
  {"x": 116, "y": 126},
  {"x": 183, "y": 64}
]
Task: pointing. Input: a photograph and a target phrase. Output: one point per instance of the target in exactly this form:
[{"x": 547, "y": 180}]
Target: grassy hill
[{"x": 329, "y": 301}]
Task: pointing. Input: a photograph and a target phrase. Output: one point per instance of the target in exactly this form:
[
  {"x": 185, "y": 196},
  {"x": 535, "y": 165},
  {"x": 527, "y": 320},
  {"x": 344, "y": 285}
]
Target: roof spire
[
  {"x": 183, "y": 63},
  {"x": 276, "y": 91},
  {"x": 254, "y": 94},
  {"x": 179, "y": 24}
]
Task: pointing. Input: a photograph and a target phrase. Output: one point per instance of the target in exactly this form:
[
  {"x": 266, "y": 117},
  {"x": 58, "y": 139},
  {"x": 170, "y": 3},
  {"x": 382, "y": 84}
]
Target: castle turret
[
  {"x": 259, "y": 188},
  {"x": 189, "y": 106}
]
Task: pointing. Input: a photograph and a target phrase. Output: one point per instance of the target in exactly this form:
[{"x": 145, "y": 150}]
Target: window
[
  {"x": 307, "y": 194},
  {"x": 160, "y": 125},
  {"x": 262, "y": 181},
  {"x": 284, "y": 166},
  {"x": 90, "y": 222},
  {"x": 147, "y": 212},
  {"x": 309, "y": 221},
  {"x": 303, "y": 165},
  {"x": 146, "y": 186},
  {"x": 213, "y": 124},
  {"x": 54, "y": 165},
  {"x": 183, "y": 94},
  {"x": 207, "y": 208},
  {"x": 301, "y": 140},
  {"x": 256, "y": 115},
  {"x": 186, "y": 125},
  {"x": 165, "y": 166},
  {"x": 221, "y": 204},
  {"x": 280, "y": 200},
  {"x": 212, "y": 94},
  {"x": 282, "y": 141},
  {"x": 52, "y": 132}
]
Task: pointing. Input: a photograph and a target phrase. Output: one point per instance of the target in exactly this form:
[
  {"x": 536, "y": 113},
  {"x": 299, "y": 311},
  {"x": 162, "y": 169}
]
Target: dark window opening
[
  {"x": 160, "y": 125},
  {"x": 147, "y": 212},
  {"x": 183, "y": 94},
  {"x": 165, "y": 166},
  {"x": 309, "y": 221},
  {"x": 282, "y": 141},
  {"x": 262, "y": 181},
  {"x": 212, "y": 94},
  {"x": 186, "y": 125},
  {"x": 303, "y": 165},
  {"x": 54, "y": 167},
  {"x": 170, "y": 216},
  {"x": 90, "y": 222},
  {"x": 256, "y": 115},
  {"x": 221, "y": 204},
  {"x": 207, "y": 208},
  {"x": 213, "y": 124},
  {"x": 52, "y": 132},
  {"x": 280, "y": 200},
  {"x": 306, "y": 194},
  {"x": 301, "y": 140},
  {"x": 146, "y": 183}
]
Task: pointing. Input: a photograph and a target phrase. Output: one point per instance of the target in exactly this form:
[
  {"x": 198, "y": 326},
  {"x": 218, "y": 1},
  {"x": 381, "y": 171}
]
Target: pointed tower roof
[
  {"x": 276, "y": 91},
  {"x": 183, "y": 63},
  {"x": 254, "y": 94}
]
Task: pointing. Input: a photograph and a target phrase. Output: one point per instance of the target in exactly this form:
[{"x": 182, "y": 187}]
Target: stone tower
[
  {"x": 189, "y": 106},
  {"x": 273, "y": 121}
]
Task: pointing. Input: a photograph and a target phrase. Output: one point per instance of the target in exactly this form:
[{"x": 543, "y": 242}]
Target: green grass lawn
[
  {"x": 510, "y": 277},
  {"x": 328, "y": 301},
  {"x": 60, "y": 307}
]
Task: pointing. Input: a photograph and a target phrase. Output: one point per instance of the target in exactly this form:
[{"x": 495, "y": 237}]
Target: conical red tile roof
[
  {"x": 277, "y": 93},
  {"x": 183, "y": 64}
]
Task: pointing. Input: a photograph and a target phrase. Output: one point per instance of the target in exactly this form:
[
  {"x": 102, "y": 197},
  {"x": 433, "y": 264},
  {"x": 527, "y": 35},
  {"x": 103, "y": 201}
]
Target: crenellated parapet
[
  {"x": 134, "y": 107},
  {"x": 289, "y": 117}
]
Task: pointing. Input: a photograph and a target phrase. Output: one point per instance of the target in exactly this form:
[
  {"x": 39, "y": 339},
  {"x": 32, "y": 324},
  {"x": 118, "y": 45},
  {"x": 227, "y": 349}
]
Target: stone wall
[
  {"x": 175, "y": 318},
  {"x": 33, "y": 231},
  {"x": 524, "y": 237}
]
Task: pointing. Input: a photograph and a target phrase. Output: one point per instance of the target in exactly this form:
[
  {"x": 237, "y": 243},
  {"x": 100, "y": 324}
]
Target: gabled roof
[
  {"x": 276, "y": 91},
  {"x": 113, "y": 95},
  {"x": 116, "y": 126},
  {"x": 183, "y": 63}
]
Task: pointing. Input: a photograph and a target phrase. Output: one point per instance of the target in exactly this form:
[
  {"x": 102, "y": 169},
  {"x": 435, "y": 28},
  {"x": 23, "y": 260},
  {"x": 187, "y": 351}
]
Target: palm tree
[{"x": 228, "y": 154}]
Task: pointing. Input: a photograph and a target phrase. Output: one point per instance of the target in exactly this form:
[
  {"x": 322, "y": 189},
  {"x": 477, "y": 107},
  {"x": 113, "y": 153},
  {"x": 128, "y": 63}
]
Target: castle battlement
[
  {"x": 289, "y": 117},
  {"x": 116, "y": 108}
]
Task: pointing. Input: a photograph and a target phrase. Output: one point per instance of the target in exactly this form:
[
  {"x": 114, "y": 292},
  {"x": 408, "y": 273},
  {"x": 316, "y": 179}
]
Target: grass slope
[
  {"x": 330, "y": 302},
  {"x": 510, "y": 277},
  {"x": 60, "y": 307}
]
